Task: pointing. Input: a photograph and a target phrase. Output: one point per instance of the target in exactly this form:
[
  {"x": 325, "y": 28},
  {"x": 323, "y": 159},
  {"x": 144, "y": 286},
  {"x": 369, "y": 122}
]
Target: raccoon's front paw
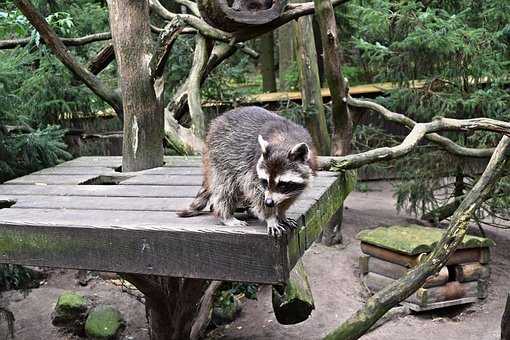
[
  {"x": 287, "y": 223},
  {"x": 274, "y": 228},
  {"x": 234, "y": 222}
]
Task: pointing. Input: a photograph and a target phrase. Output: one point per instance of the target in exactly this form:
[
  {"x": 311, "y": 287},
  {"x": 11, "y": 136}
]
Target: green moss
[
  {"x": 71, "y": 300},
  {"x": 414, "y": 239},
  {"x": 70, "y": 310},
  {"x": 103, "y": 322}
]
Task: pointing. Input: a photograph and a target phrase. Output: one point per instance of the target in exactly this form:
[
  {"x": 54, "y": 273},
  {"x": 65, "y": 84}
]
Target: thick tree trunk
[
  {"x": 313, "y": 106},
  {"x": 171, "y": 304},
  {"x": 267, "y": 62},
  {"x": 143, "y": 110},
  {"x": 286, "y": 55},
  {"x": 342, "y": 122}
]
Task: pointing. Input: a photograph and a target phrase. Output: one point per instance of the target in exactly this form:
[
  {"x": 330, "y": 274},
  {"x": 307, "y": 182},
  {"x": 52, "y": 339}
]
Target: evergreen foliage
[{"x": 460, "y": 51}]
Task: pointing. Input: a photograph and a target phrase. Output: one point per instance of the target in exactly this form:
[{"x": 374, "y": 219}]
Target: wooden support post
[
  {"x": 505, "y": 321},
  {"x": 293, "y": 303},
  {"x": 267, "y": 62}
]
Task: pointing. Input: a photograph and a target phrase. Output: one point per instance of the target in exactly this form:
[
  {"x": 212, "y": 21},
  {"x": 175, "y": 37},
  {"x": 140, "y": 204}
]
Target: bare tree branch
[
  {"x": 87, "y": 39},
  {"x": 376, "y": 306},
  {"x": 165, "y": 43},
  {"x": 62, "y": 53},
  {"x": 419, "y": 131},
  {"x": 241, "y": 35},
  {"x": 202, "y": 52},
  {"x": 444, "y": 142},
  {"x": 103, "y": 58}
]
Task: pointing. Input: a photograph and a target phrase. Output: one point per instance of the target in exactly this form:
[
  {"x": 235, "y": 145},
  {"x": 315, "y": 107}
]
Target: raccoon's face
[{"x": 283, "y": 173}]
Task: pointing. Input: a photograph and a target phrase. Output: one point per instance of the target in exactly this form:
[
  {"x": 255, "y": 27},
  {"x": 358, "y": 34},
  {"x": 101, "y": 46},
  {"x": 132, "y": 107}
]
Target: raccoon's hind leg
[{"x": 225, "y": 198}]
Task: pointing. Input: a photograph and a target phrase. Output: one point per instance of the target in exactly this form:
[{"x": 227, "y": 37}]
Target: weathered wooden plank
[
  {"x": 76, "y": 170},
  {"x": 423, "y": 296},
  {"x": 119, "y": 203},
  {"x": 319, "y": 181},
  {"x": 396, "y": 271},
  {"x": 51, "y": 180},
  {"x": 116, "y": 161},
  {"x": 118, "y": 191},
  {"x": 481, "y": 255},
  {"x": 123, "y": 219},
  {"x": 218, "y": 256},
  {"x": 100, "y": 190},
  {"x": 471, "y": 272},
  {"x": 442, "y": 304}
]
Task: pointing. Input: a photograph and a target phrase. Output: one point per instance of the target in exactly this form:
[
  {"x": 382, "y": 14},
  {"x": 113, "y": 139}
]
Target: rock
[
  {"x": 70, "y": 311},
  {"x": 103, "y": 322}
]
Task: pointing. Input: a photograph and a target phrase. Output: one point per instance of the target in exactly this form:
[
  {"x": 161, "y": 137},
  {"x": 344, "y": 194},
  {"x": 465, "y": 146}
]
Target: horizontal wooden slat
[
  {"x": 119, "y": 203},
  {"x": 101, "y": 190},
  {"x": 319, "y": 181},
  {"x": 51, "y": 180},
  {"x": 76, "y": 170}
]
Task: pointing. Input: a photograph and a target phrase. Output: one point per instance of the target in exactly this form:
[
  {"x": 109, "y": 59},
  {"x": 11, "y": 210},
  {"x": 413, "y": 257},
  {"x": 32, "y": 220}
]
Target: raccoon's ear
[
  {"x": 300, "y": 152},
  {"x": 264, "y": 145}
]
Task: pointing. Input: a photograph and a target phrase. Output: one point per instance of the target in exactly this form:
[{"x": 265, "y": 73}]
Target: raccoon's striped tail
[{"x": 198, "y": 204}]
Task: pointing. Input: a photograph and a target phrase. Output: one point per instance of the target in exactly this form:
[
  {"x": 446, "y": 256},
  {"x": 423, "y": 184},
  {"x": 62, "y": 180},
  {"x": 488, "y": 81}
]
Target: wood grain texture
[{"x": 132, "y": 227}]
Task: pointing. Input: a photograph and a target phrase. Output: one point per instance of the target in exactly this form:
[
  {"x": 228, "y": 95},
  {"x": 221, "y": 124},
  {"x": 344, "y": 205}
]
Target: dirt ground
[{"x": 335, "y": 282}]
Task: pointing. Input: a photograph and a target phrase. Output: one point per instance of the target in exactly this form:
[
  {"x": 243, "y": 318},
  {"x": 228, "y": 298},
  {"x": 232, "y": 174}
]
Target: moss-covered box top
[{"x": 414, "y": 239}]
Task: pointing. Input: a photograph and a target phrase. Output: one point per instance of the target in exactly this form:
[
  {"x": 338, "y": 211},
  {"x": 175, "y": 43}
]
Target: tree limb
[
  {"x": 87, "y": 39},
  {"x": 201, "y": 57},
  {"x": 444, "y": 142},
  {"x": 103, "y": 58},
  {"x": 419, "y": 131},
  {"x": 62, "y": 53},
  {"x": 165, "y": 43},
  {"x": 241, "y": 35},
  {"x": 376, "y": 306}
]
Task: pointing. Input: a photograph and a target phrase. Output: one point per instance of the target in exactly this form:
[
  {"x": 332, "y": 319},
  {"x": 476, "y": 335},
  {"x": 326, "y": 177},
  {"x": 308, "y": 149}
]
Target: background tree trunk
[
  {"x": 313, "y": 107},
  {"x": 267, "y": 62},
  {"x": 143, "y": 110},
  {"x": 286, "y": 57},
  {"x": 342, "y": 122}
]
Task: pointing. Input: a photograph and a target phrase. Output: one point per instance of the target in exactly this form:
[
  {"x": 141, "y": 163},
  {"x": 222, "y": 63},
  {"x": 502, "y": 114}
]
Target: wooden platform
[{"x": 84, "y": 214}]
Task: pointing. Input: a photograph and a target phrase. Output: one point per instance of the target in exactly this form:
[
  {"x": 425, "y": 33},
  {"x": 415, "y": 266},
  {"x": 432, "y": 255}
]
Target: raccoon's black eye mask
[{"x": 288, "y": 187}]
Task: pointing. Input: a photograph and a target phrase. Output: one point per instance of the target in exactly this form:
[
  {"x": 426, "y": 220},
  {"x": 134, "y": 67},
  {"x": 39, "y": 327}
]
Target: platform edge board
[
  {"x": 193, "y": 255},
  {"x": 314, "y": 218}
]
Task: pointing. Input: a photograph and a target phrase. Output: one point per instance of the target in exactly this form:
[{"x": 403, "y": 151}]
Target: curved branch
[
  {"x": 419, "y": 131},
  {"x": 62, "y": 53},
  {"x": 376, "y": 306},
  {"x": 166, "y": 40},
  {"x": 87, "y": 39},
  {"x": 444, "y": 142}
]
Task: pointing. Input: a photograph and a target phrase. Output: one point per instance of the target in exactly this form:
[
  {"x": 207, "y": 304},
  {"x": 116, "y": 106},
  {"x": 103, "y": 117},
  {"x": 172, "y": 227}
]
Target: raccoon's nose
[{"x": 269, "y": 202}]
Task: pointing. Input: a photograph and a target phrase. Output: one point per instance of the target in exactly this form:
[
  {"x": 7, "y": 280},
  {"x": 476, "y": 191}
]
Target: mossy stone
[
  {"x": 103, "y": 322},
  {"x": 70, "y": 309}
]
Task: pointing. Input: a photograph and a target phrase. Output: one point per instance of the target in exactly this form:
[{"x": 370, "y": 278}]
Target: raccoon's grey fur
[{"x": 257, "y": 159}]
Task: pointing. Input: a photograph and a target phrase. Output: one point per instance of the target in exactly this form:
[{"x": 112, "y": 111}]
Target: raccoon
[{"x": 256, "y": 159}]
